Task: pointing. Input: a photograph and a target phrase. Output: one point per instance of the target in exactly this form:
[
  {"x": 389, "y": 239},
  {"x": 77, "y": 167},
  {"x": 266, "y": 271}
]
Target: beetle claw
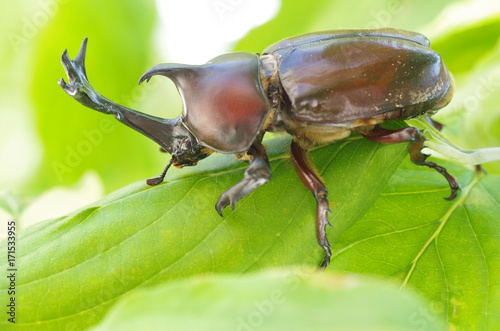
[
  {"x": 256, "y": 175},
  {"x": 453, "y": 194},
  {"x": 228, "y": 198},
  {"x": 219, "y": 206},
  {"x": 224, "y": 201},
  {"x": 328, "y": 255},
  {"x": 451, "y": 180}
]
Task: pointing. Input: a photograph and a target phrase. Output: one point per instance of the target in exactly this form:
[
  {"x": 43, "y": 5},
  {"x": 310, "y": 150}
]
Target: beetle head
[
  {"x": 171, "y": 135},
  {"x": 182, "y": 145}
]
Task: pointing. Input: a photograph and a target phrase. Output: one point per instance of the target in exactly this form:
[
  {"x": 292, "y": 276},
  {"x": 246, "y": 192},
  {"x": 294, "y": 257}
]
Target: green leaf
[
  {"x": 449, "y": 251},
  {"x": 475, "y": 41},
  {"x": 74, "y": 268},
  {"x": 273, "y": 300},
  {"x": 285, "y": 24},
  {"x": 142, "y": 236},
  {"x": 297, "y": 17}
]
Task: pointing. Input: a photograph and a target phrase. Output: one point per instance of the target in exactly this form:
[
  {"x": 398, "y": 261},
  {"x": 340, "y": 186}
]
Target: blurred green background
[{"x": 57, "y": 155}]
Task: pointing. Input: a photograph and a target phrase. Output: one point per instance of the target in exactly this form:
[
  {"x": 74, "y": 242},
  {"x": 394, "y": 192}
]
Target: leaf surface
[
  {"x": 273, "y": 300},
  {"x": 141, "y": 236},
  {"x": 76, "y": 267}
]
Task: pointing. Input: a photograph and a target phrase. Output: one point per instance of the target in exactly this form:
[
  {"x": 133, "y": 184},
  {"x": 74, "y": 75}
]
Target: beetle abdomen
[{"x": 350, "y": 77}]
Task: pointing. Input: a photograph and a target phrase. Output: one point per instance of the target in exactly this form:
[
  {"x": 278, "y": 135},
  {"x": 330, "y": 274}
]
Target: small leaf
[
  {"x": 474, "y": 42},
  {"x": 274, "y": 300}
]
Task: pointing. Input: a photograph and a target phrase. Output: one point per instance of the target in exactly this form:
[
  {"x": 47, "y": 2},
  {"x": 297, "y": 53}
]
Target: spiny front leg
[
  {"x": 416, "y": 140},
  {"x": 316, "y": 186},
  {"x": 256, "y": 175}
]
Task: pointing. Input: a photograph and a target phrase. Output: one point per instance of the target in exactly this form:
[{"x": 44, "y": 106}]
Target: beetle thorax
[
  {"x": 277, "y": 119},
  {"x": 271, "y": 84}
]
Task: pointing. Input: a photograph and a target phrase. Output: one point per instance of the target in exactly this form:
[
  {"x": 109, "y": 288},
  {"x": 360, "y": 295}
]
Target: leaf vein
[{"x": 443, "y": 222}]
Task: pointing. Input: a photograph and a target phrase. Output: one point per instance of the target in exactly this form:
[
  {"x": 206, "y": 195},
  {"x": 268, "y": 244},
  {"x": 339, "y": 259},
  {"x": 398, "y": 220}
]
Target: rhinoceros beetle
[{"x": 318, "y": 87}]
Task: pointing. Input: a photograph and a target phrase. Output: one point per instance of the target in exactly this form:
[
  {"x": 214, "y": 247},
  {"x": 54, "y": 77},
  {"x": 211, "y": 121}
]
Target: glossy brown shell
[
  {"x": 336, "y": 77},
  {"x": 225, "y": 105}
]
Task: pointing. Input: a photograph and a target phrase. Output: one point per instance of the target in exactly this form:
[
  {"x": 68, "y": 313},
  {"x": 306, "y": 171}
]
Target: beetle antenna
[{"x": 157, "y": 180}]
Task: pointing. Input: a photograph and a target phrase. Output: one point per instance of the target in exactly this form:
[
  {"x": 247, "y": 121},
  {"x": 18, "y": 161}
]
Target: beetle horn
[
  {"x": 158, "y": 129},
  {"x": 174, "y": 71}
]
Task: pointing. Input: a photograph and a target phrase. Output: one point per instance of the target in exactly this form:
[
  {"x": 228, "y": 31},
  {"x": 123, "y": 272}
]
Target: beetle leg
[
  {"x": 438, "y": 126},
  {"x": 416, "y": 139},
  {"x": 158, "y": 180},
  {"x": 256, "y": 175},
  {"x": 316, "y": 186}
]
